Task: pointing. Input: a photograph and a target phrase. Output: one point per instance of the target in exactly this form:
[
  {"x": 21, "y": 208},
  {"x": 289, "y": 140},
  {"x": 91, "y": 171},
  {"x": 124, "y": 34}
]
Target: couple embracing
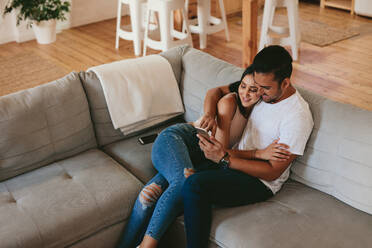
[{"x": 259, "y": 125}]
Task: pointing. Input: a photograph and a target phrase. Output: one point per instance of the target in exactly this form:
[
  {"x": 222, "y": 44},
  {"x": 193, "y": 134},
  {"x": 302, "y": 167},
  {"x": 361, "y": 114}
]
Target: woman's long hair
[{"x": 234, "y": 87}]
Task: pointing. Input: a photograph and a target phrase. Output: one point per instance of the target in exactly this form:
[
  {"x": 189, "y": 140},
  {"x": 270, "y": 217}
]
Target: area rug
[
  {"x": 25, "y": 70},
  {"x": 316, "y": 32}
]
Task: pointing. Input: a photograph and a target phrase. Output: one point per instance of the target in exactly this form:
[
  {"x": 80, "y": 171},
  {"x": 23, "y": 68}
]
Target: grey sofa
[{"x": 68, "y": 179}]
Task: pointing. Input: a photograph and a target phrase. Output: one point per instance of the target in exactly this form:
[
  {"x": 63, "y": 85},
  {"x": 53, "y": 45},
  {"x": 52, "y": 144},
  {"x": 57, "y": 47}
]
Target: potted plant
[{"x": 41, "y": 15}]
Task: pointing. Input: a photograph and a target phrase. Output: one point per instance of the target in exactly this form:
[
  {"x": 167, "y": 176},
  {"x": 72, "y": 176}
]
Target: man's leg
[{"x": 216, "y": 187}]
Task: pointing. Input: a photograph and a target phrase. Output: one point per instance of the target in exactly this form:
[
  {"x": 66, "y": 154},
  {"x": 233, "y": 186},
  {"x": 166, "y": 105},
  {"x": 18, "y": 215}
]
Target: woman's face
[{"x": 248, "y": 92}]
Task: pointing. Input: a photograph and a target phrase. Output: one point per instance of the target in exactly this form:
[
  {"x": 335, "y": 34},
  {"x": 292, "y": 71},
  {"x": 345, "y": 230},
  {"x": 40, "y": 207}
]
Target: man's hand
[
  {"x": 213, "y": 150},
  {"x": 208, "y": 123},
  {"x": 275, "y": 151}
]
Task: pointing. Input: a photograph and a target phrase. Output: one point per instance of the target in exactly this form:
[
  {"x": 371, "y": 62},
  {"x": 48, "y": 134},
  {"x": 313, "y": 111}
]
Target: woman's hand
[
  {"x": 208, "y": 123},
  {"x": 275, "y": 151}
]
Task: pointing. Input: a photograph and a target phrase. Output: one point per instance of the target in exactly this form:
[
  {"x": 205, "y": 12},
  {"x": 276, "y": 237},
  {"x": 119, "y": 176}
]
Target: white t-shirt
[{"x": 290, "y": 120}]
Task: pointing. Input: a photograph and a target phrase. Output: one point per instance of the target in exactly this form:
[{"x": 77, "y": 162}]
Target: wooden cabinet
[
  {"x": 340, "y": 4},
  {"x": 232, "y": 7},
  {"x": 193, "y": 8}
]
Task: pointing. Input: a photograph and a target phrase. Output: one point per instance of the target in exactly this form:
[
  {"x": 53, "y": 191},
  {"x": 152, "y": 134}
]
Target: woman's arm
[
  {"x": 208, "y": 120},
  {"x": 226, "y": 109}
]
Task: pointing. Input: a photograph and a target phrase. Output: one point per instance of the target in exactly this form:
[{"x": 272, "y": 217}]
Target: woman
[{"x": 176, "y": 155}]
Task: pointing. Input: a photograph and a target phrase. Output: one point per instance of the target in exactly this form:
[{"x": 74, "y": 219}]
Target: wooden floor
[{"x": 341, "y": 71}]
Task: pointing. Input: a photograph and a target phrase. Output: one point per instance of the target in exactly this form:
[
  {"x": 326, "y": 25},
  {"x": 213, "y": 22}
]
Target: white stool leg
[
  {"x": 223, "y": 15},
  {"x": 186, "y": 14},
  {"x": 185, "y": 27},
  {"x": 292, "y": 19},
  {"x": 187, "y": 7},
  {"x": 272, "y": 14},
  {"x": 268, "y": 11},
  {"x": 203, "y": 15},
  {"x": 164, "y": 18},
  {"x": 146, "y": 31},
  {"x": 298, "y": 28},
  {"x": 171, "y": 20},
  {"x": 136, "y": 20},
  {"x": 118, "y": 23}
]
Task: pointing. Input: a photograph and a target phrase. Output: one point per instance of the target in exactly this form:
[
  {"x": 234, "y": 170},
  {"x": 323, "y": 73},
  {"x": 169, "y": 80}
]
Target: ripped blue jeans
[{"x": 174, "y": 154}]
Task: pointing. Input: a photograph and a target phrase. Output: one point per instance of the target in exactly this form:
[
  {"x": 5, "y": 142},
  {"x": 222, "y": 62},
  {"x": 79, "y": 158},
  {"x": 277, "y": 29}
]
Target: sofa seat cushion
[
  {"x": 298, "y": 216},
  {"x": 59, "y": 204},
  {"x": 136, "y": 157}
]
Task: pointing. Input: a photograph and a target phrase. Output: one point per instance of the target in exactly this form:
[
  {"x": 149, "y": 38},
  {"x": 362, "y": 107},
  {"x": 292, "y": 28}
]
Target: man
[{"x": 281, "y": 114}]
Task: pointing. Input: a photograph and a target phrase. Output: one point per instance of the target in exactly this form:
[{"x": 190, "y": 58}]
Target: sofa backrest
[
  {"x": 43, "y": 124},
  {"x": 338, "y": 158},
  {"x": 200, "y": 72},
  {"x": 103, "y": 126}
]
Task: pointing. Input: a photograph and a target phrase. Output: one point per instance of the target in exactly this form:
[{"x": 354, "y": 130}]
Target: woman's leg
[
  {"x": 173, "y": 154},
  {"x": 220, "y": 187},
  {"x": 142, "y": 211}
]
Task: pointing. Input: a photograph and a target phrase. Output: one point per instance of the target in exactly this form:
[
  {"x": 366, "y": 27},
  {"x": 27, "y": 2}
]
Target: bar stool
[
  {"x": 206, "y": 24},
  {"x": 293, "y": 31},
  {"x": 134, "y": 31},
  {"x": 165, "y": 10}
]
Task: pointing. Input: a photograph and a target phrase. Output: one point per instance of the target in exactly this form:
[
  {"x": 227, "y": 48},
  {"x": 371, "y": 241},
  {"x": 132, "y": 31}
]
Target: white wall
[
  {"x": 6, "y": 29},
  {"x": 82, "y": 12},
  {"x": 90, "y": 11},
  {"x": 363, "y": 7}
]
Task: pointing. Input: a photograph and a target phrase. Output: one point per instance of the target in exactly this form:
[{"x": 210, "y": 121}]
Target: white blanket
[{"x": 139, "y": 92}]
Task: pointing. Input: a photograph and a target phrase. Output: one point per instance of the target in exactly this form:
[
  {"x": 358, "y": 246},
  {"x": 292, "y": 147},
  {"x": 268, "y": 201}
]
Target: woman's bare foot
[{"x": 148, "y": 242}]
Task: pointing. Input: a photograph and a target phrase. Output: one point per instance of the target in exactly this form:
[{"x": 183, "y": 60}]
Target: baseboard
[
  {"x": 6, "y": 39},
  {"x": 25, "y": 36}
]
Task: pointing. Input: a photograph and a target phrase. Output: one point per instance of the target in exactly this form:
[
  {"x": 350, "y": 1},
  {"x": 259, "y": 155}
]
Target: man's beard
[{"x": 275, "y": 98}]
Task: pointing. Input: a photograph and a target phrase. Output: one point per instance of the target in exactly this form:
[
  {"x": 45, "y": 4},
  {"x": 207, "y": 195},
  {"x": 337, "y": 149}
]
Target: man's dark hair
[{"x": 273, "y": 59}]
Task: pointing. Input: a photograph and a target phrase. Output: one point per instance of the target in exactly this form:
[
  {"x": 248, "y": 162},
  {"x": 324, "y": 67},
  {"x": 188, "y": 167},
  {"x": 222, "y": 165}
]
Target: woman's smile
[{"x": 245, "y": 100}]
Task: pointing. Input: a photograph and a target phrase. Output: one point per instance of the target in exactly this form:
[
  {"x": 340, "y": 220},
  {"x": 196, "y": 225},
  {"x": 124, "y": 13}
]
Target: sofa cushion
[
  {"x": 135, "y": 157},
  {"x": 106, "y": 238},
  {"x": 58, "y": 204},
  {"x": 338, "y": 157},
  {"x": 104, "y": 128},
  {"x": 201, "y": 72},
  {"x": 298, "y": 216},
  {"x": 43, "y": 124}
]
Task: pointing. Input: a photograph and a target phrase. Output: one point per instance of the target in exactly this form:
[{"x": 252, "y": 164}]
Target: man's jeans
[
  {"x": 223, "y": 187},
  {"x": 174, "y": 154}
]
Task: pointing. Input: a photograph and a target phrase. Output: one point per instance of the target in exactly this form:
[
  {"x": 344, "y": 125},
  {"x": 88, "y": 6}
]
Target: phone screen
[{"x": 203, "y": 132}]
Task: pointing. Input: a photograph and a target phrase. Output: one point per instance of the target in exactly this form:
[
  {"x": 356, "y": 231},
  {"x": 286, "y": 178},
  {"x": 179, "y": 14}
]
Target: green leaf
[{"x": 37, "y": 10}]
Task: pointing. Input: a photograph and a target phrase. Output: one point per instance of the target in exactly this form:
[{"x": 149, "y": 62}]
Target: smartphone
[
  {"x": 203, "y": 132},
  {"x": 143, "y": 140}
]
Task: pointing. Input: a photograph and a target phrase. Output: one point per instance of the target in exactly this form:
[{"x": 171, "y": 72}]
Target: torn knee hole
[
  {"x": 150, "y": 194},
  {"x": 188, "y": 172}
]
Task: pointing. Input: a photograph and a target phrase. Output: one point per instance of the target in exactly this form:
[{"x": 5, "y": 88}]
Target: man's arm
[
  {"x": 275, "y": 151},
  {"x": 245, "y": 160},
  {"x": 267, "y": 170}
]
